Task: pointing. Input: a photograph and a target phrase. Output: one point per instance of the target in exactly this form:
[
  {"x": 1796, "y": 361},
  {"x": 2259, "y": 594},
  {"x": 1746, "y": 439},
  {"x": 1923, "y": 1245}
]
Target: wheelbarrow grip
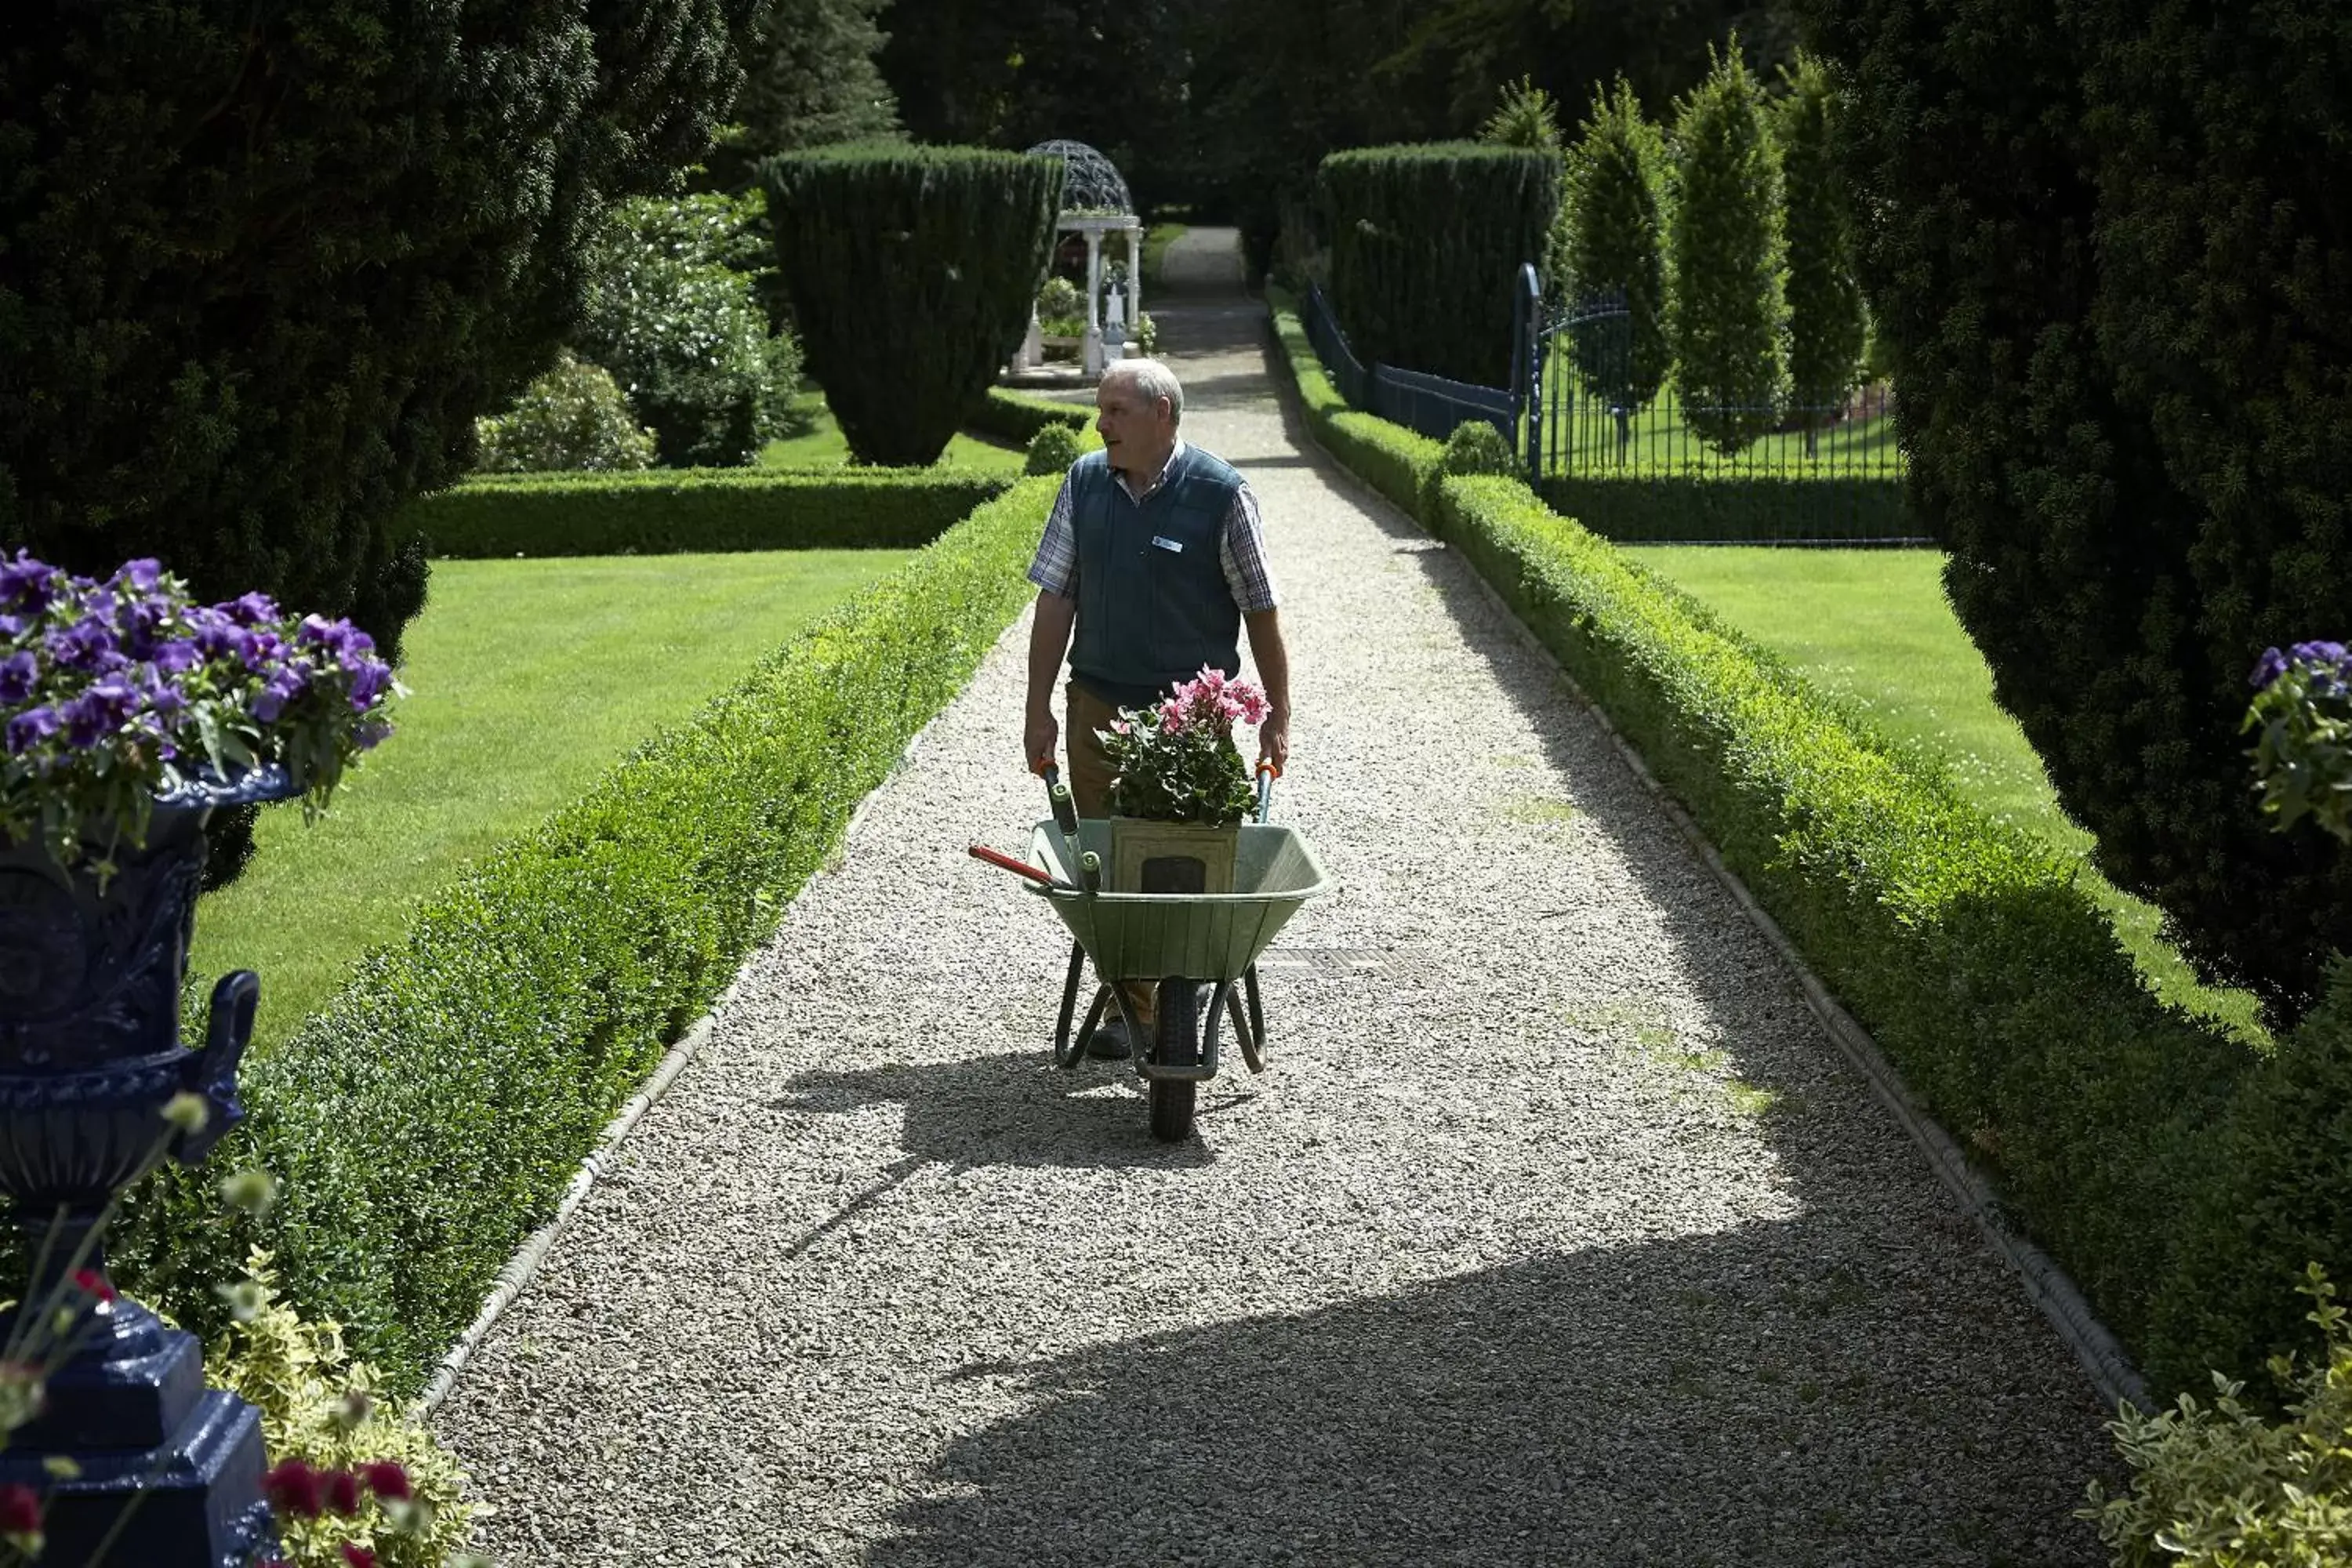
[{"x": 1267, "y": 773}]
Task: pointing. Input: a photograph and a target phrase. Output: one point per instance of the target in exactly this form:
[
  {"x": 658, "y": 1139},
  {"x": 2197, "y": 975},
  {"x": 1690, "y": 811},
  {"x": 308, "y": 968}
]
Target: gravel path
[{"x": 1557, "y": 1235}]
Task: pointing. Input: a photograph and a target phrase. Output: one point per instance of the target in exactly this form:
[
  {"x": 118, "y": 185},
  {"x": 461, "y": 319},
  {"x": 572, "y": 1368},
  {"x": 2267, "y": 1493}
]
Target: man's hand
[
  {"x": 1039, "y": 737},
  {"x": 1274, "y": 741}
]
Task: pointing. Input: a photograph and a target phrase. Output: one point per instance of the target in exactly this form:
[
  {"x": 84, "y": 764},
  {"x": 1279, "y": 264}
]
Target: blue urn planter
[{"x": 89, "y": 1053}]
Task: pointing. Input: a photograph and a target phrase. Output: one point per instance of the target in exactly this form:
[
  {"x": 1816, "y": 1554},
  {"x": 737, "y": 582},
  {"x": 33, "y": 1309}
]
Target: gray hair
[{"x": 1152, "y": 382}]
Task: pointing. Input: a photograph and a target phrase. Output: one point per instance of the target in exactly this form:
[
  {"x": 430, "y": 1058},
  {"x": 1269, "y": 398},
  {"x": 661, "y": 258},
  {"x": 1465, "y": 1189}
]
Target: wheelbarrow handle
[{"x": 1019, "y": 868}]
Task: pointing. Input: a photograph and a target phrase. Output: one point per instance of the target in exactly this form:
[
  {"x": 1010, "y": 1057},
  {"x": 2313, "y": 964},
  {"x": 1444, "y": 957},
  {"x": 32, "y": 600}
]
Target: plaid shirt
[{"x": 1241, "y": 547}]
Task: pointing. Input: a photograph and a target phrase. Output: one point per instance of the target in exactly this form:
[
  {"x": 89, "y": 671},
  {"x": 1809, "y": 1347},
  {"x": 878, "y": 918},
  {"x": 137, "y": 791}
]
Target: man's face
[{"x": 1135, "y": 429}]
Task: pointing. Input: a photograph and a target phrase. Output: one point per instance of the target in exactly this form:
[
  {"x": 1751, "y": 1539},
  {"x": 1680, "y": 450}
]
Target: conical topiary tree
[
  {"x": 1826, "y": 319},
  {"x": 1527, "y": 118},
  {"x": 911, "y": 271},
  {"x": 1724, "y": 318},
  {"x": 1615, "y": 234}
]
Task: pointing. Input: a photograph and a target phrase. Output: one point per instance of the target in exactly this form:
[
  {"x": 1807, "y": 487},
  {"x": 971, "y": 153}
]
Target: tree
[
  {"x": 2105, "y": 250},
  {"x": 1615, "y": 249},
  {"x": 258, "y": 275},
  {"x": 1826, "y": 319},
  {"x": 811, "y": 78},
  {"x": 911, "y": 271},
  {"x": 1724, "y": 317}
]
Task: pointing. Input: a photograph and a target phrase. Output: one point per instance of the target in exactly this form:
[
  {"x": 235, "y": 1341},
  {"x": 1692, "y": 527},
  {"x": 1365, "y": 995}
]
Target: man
[{"x": 1154, "y": 556}]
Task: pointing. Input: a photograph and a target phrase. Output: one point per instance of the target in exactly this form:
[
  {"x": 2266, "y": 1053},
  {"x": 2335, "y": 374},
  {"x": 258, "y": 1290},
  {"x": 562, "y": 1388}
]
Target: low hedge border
[
  {"x": 429, "y": 1118},
  {"x": 1735, "y": 508},
  {"x": 2181, "y": 1179},
  {"x": 657, "y": 511},
  {"x": 1010, "y": 416}
]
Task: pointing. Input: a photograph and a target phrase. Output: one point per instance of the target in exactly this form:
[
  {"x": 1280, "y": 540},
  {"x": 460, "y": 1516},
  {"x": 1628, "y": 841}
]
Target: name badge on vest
[{"x": 1173, "y": 546}]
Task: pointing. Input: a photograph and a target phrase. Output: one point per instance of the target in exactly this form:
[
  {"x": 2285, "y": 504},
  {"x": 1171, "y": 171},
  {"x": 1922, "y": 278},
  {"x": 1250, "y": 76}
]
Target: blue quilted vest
[{"x": 1153, "y": 604}]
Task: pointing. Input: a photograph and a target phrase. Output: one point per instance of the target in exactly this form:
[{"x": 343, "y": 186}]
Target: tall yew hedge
[
  {"x": 911, "y": 270},
  {"x": 2109, "y": 251},
  {"x": 262, "y": 267},
  {"x": 1427, "y": 244}
]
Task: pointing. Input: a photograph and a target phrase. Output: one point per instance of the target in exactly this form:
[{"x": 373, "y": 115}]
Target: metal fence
[
  {"x": 1431, "y": 405},
  {"x": 1618, "y": 443}
]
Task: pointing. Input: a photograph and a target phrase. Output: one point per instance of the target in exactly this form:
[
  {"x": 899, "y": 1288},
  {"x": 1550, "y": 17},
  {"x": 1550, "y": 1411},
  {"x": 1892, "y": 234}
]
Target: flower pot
[
  {"x": 1152, "y": 856},
  {"x": 89, "y": 1054}
]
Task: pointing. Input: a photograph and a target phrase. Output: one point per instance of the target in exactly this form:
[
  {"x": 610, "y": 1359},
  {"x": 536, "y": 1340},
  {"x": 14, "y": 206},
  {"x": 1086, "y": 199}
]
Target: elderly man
[{"x": 1154, "y": 555}]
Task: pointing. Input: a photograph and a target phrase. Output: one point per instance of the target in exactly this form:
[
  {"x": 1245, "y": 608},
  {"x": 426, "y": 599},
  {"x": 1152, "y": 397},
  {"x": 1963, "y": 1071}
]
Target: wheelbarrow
[{"x": 1182, "y": 942}]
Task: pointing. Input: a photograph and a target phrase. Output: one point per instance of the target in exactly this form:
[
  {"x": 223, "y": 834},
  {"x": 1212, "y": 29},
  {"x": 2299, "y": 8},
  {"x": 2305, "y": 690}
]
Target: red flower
[
  {"x": 20, "y": 1510},
  {"x": 93, "y": 1283},
  {"x": 386, "y": 1479},
  {"x": 293, "y": 1487},
  {"x": 358, "y": 1556},
  {"x": 341, "y": 1490}
]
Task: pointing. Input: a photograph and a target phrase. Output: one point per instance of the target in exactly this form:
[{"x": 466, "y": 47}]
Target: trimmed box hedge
[
  {"x": 1010, "y": 416},
  {"x": 654, "y": 511},
  {"x": 2182, "y": 1179},
  {"x": 1734, "y": 508},
  {"x": 431, "y": 1116}
]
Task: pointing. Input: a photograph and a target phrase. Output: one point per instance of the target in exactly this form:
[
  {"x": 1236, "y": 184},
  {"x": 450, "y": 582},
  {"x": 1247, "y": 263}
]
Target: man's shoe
[{"x": 1108, "y": 1042}]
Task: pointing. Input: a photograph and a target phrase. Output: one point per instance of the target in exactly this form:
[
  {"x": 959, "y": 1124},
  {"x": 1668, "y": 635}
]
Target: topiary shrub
[
  {"x": 1826, "y": 319},
  {"x": 1058, "y": 298},
  {"x": 1051, "y": 450},
  {"x": 573, "y": 417},
  {"x": 679, "y": 324},
  {"x": 912, "y": 271},
  {"x": 1477, "y": 447},
  {"x": 1615, "y": 246},
  {"x": 2106, "y": 265},
  {"x": 1724, "y": 316},
  {"x": 1426, "y": 245}
]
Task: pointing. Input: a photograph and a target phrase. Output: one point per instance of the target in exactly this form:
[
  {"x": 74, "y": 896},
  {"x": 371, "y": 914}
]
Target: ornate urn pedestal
[{"x": 168, "y": 1474}]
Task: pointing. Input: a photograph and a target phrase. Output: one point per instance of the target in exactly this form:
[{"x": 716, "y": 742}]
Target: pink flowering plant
[
  {"x": 1177, "y": 761},
  {"x": 115, "y": 692},
  {"x": 2302, "y": 755}
]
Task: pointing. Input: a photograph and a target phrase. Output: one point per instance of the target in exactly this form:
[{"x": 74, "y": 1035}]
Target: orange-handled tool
[{"x": 1023, "y": 867}]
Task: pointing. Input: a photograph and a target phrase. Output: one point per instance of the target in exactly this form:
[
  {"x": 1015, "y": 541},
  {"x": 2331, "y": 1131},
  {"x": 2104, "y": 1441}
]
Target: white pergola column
[
  {"x": 1135, "y": 281},
  {"x": 1094, "y": 345}
]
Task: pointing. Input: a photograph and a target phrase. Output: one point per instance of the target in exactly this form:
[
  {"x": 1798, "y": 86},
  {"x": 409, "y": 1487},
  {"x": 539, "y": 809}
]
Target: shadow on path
[{"x": 1682, "y": 1403}]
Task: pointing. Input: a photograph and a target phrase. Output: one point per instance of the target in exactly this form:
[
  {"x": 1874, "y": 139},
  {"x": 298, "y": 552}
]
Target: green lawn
[
  {"x": 1873, "y": 628},
  {"x": 824, "y": 447},
  {"x": 529, "y": 680}
]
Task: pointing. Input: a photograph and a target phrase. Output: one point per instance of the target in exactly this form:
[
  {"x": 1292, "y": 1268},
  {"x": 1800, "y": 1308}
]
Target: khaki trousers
[{"x": 1090, "y": 775}]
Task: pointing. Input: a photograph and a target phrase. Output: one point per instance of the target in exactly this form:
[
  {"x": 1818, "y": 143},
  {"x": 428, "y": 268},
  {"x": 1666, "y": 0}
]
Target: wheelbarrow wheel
[{"x": 1176, "y": 1042}]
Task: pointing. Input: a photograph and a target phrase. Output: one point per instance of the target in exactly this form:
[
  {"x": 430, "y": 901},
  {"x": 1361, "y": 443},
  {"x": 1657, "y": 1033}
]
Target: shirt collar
[{"x": 1175, "y": 454}]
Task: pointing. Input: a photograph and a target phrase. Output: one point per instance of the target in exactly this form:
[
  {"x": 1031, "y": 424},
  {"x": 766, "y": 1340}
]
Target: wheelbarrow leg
[
  {"x": 1252, "y": 1031},
  {"x": 1068, "y": 1050}
]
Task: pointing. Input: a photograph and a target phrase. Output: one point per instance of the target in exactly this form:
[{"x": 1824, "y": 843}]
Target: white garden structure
[{"x": 1094, "y": 203}]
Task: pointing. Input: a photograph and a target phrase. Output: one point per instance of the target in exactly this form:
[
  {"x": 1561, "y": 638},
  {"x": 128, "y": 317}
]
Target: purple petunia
[
  {"x": 30, "y": 728},
  {"x": 82, "y": 646},
  {"x": 2267, "y": 669},
  {"x": 98, "y": 711},
  {"x": 142, "y": 575},
  {"x": 283, "y": 686},
  {"x": 26, "y": 582},
  {"x": 17, "y": 673},
  {"x": 250, "y": 609},
  {"x": 177, "y": 658}
]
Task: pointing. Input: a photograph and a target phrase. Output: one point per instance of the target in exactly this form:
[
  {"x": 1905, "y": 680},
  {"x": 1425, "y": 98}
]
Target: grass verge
[{"x": 529, "y": 680}]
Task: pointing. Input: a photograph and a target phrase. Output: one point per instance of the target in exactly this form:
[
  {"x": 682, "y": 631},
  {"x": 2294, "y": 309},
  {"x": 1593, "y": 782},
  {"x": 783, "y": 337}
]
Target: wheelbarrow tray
[{"x": 1201, "y": 936}]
